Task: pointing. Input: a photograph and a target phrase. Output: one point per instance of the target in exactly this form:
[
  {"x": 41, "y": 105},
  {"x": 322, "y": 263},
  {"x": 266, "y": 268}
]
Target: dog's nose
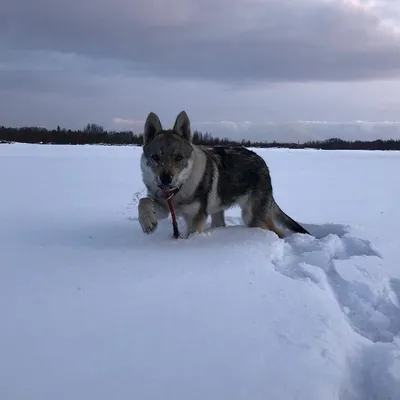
[{"x": 166, "y": 178}]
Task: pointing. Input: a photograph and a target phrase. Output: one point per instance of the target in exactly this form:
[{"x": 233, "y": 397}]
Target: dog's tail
[{"x": 288, "y": 222}]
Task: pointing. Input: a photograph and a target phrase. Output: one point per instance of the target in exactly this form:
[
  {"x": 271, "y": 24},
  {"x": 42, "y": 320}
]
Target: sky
[{"x": 285, "y": 70}]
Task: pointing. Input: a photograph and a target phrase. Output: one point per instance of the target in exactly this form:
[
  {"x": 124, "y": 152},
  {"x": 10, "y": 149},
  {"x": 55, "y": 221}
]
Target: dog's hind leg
[
  {"x": 257, "y": 212},
  {"x": 246, "y": 206},
  {"x": 269, "y": 223}
]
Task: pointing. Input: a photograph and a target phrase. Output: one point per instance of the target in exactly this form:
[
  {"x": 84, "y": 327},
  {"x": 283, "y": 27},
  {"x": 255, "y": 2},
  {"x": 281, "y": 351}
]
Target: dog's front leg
[
  {"x": 218, "y": 219},
  {"x": 150, "y": 212},
  {"x": 197, "y": 224}
]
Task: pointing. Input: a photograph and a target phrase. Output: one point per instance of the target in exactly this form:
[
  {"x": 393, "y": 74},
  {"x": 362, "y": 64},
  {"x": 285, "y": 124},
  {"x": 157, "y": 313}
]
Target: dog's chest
[{"x": 189, "y": 209}]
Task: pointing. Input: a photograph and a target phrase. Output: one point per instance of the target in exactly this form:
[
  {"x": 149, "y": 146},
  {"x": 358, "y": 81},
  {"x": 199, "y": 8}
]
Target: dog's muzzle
[{"x": 166, "y": 179}]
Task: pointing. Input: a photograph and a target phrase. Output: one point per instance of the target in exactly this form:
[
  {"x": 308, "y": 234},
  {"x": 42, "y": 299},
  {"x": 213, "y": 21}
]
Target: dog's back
[{"x": 240, "y": 171}]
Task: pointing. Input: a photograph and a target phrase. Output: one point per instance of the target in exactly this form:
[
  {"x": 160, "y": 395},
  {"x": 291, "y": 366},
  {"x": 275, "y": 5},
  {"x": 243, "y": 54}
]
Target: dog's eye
[
  {"x": 155, "y": 157},
  {"x": 178, "y": 157}
]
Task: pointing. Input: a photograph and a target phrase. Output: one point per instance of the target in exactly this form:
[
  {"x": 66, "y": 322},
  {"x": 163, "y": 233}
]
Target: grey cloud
[
  {"x": 228, "y": 41},
  {"x": 52, "y": 72},
  {"x": 46, "y": 82}
]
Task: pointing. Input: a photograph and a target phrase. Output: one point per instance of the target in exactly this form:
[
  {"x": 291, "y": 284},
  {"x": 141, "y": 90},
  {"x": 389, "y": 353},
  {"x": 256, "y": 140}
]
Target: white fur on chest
[{"x": 189, "y": 210}]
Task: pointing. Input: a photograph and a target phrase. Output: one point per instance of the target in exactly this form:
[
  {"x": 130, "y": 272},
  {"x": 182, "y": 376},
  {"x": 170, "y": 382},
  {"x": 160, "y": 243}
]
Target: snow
[{"x": 91, "y": 308}]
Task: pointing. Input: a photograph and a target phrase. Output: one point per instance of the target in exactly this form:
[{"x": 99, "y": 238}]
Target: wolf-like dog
[{"x": 204, "y": 181}]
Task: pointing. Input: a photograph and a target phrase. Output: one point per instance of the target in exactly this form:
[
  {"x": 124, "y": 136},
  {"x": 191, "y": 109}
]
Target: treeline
[
  {"x": 95, "y": 134},
  {"x": 91, "y": 134}
]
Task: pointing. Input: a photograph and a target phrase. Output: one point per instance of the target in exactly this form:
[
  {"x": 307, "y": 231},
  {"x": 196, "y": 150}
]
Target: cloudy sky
[{"x": 258, "y": 69}]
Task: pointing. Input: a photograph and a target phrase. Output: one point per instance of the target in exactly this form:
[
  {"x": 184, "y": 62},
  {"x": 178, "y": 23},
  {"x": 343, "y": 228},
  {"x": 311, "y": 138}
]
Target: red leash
[{"x": 168, "y": 196}]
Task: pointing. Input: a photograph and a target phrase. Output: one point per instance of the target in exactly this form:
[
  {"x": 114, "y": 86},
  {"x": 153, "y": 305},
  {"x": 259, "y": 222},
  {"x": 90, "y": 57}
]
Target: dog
[{"x": 204, "y": 181}]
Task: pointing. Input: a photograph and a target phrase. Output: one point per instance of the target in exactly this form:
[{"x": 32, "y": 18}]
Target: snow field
[{"x": 91, "y": 307}]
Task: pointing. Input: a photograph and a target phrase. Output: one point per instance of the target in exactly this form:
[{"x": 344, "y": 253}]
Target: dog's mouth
[
  {"x": 169, "y": 190},
  {"x": 168, "y": 194},
  {"x": 165, "y": 188}
]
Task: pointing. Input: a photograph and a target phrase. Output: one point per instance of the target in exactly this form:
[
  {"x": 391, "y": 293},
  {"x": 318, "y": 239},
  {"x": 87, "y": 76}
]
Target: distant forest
[{"x": 95, "y": 134}]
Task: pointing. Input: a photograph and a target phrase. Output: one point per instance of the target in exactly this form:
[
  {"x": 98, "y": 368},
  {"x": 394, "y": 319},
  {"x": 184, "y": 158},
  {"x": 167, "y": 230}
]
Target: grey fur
[{"x": 210, "y": 180}]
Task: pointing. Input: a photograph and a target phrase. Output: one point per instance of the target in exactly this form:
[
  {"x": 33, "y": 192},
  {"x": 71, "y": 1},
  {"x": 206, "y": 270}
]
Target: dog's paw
[{"x": 147, "y": 215}]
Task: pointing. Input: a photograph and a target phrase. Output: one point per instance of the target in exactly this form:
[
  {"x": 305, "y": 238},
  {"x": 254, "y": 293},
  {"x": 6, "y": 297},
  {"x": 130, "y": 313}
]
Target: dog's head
[{"x": 167, "y": 154}]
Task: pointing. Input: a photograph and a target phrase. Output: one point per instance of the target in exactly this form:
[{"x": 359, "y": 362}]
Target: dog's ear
[
  {"x": 182, "y": 126},
  {"x": 151, "y": 127}
]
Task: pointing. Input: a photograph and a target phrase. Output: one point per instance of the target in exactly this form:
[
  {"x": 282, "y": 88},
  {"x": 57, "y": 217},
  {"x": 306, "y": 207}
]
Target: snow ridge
[{"x": 371, "y": 313}]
